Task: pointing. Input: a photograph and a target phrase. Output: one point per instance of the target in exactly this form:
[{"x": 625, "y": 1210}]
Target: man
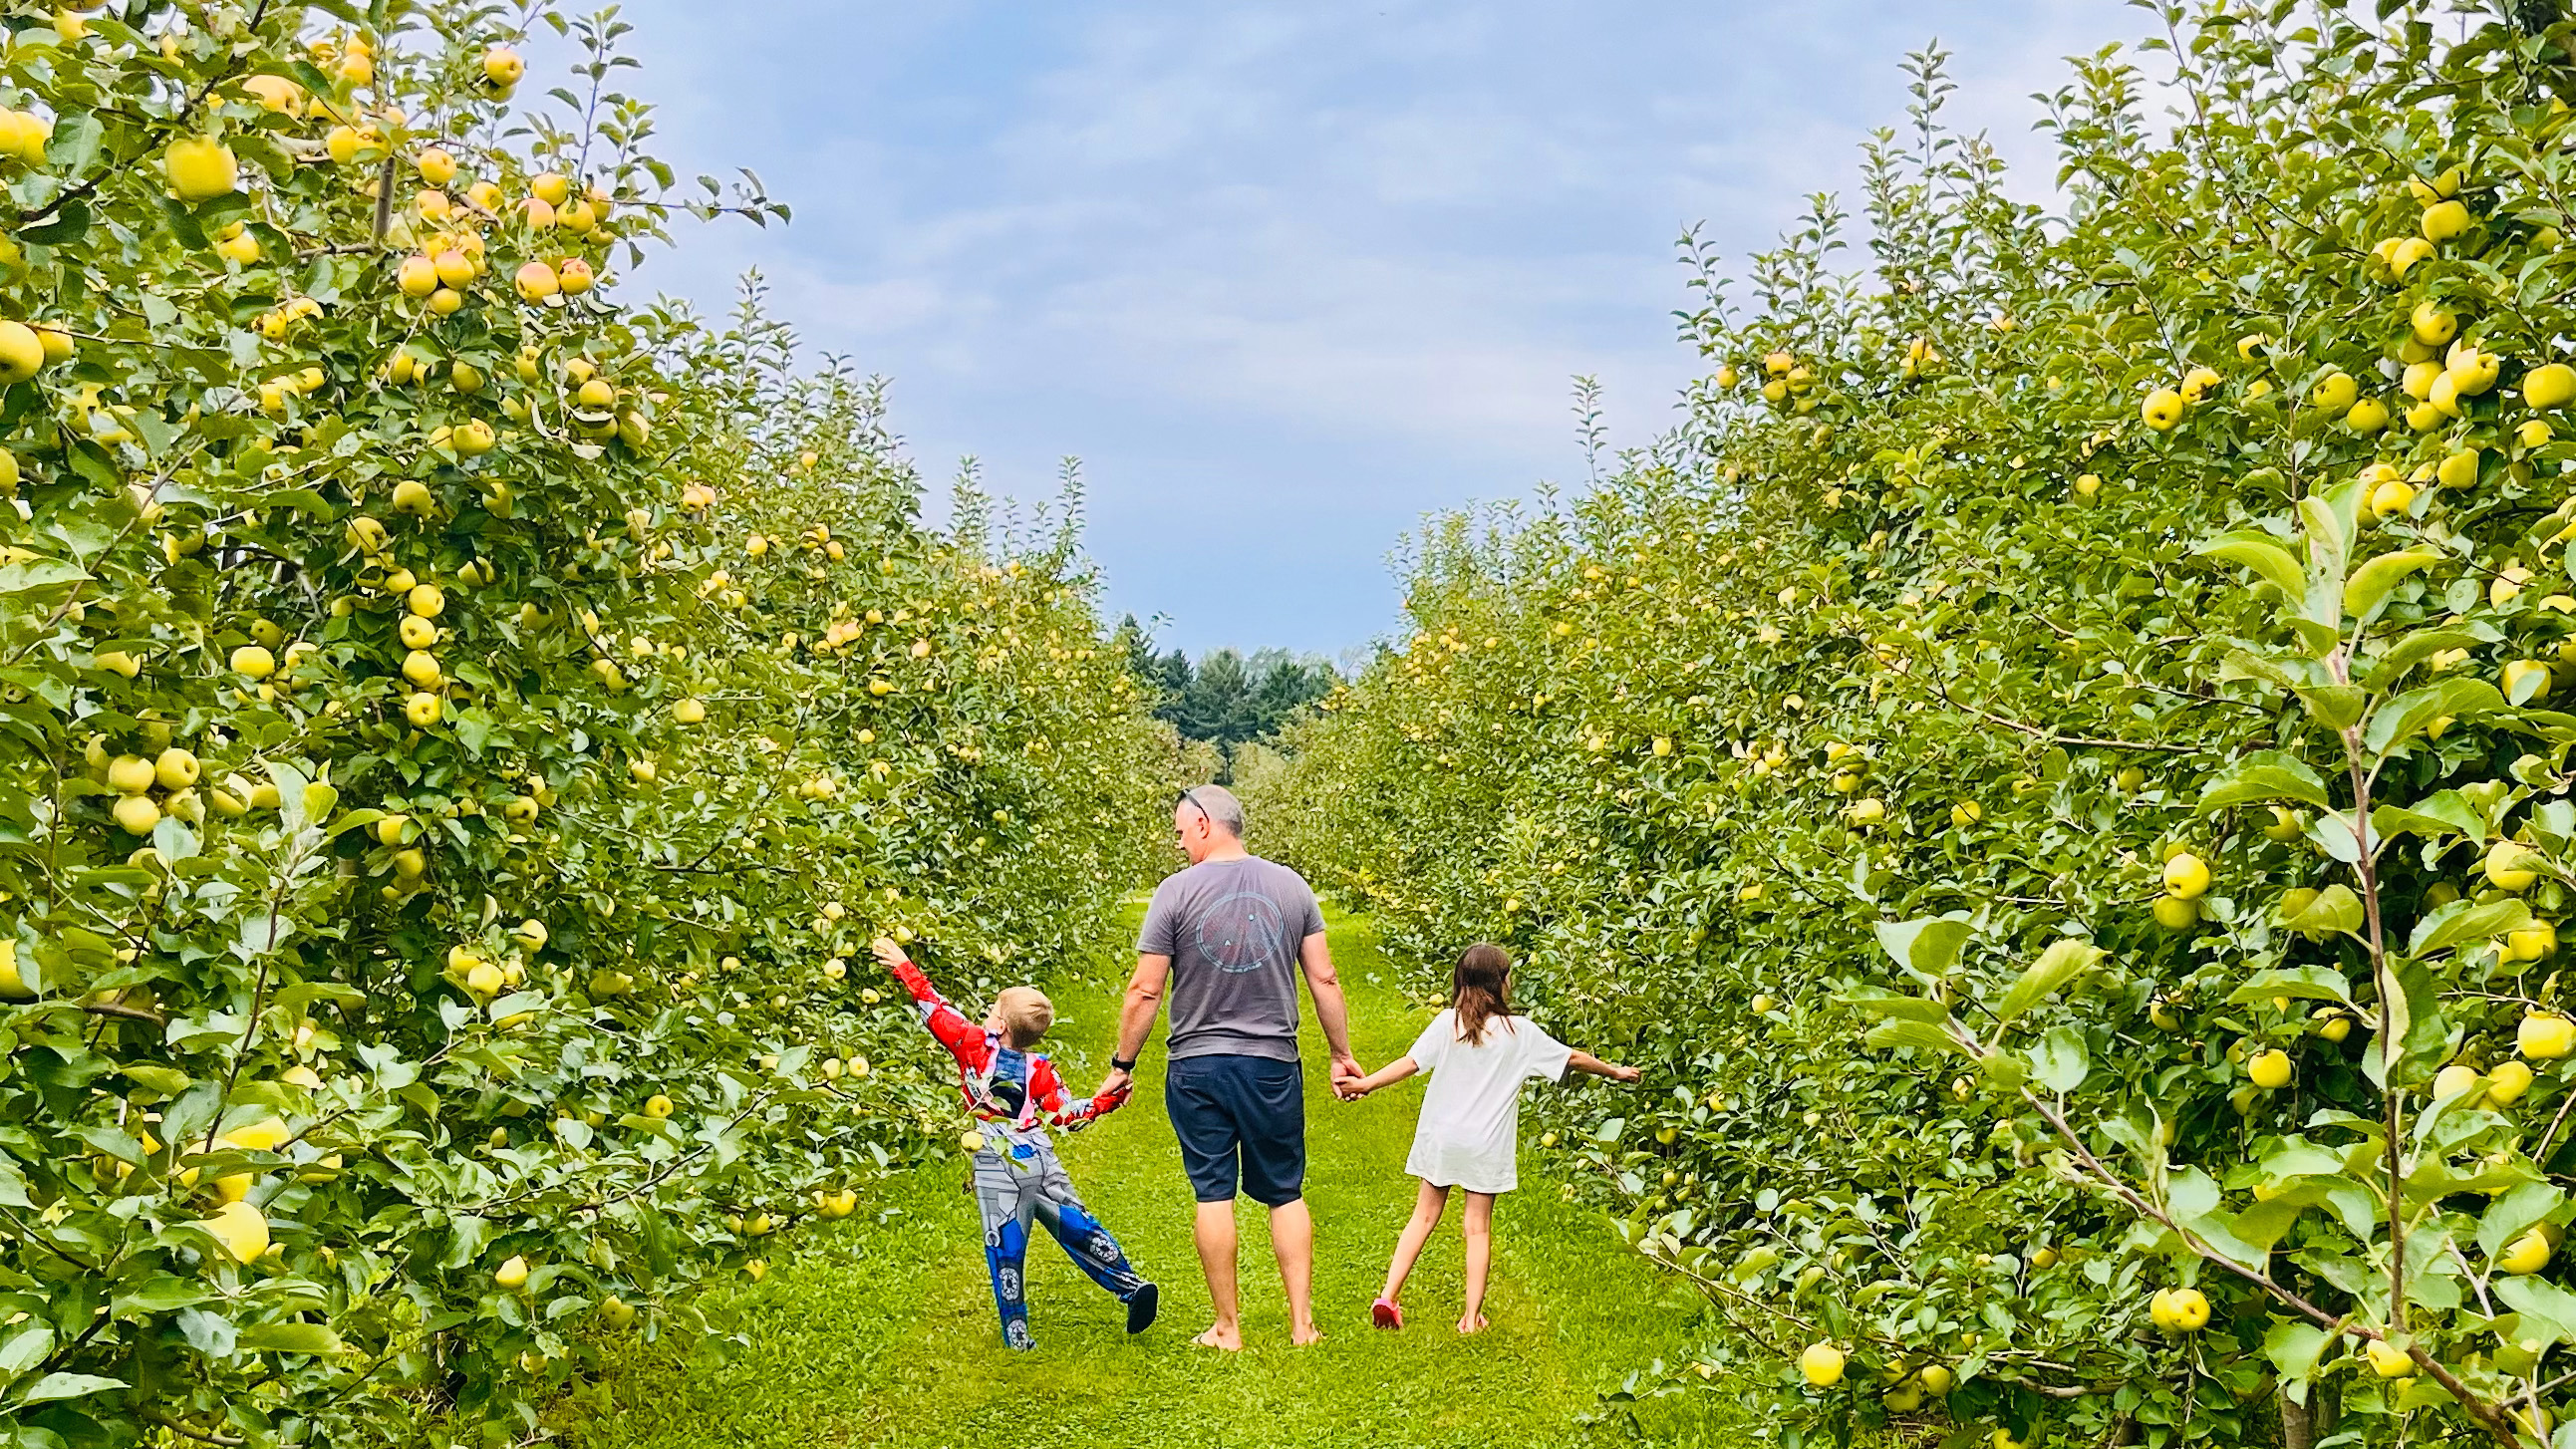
[{"x": 1229, "y": 936}]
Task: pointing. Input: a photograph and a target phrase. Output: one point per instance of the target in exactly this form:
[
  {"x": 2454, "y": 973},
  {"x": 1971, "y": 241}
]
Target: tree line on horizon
[{"x": 1227, "y": 698}]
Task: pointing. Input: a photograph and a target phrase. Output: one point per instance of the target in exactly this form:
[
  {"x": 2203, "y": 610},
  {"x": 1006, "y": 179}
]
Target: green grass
[{"x": 887, "y": 1336}]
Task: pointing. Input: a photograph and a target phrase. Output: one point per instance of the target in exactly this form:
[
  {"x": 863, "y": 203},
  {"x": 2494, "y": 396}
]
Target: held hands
[
  {"x": 1349, "y": 1082},
  {"x": 1117, "y": 1084}
]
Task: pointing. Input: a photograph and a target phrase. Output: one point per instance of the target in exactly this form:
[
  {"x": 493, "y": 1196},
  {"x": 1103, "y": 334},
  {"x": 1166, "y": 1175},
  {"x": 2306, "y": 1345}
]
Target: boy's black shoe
[{"x": 1142, "y": 1305}]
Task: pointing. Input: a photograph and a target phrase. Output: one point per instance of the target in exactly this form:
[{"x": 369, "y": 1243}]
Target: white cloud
[{"x": 1257, "y": 260}]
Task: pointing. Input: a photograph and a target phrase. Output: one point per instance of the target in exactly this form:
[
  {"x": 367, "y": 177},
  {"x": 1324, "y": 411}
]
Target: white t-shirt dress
[{"x": 1469, "y": 1134}]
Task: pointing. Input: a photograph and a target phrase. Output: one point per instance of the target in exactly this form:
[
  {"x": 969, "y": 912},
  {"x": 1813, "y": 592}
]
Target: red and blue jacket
[{"x": 1000, "y": 1082}]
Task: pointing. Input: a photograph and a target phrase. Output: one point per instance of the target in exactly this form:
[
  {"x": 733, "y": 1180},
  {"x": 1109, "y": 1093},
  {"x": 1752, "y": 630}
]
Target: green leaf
[
  {"x": 2065, "y": 959},
  {"x": 2298, "y": 1157},
  {"x": 2191, "y": 1192},
  {"x": 260, "y": 933},
  {"x": 1923, "y": 1036},
  {"x": 2448, "y": 925},
  {"x": 39, "y": 573},
  {"x": 2548, "y": 1311},
  {"x": 2418, "y": 1039},
  {"x": 2391, "y": 667},
  {"x": 1928, "y": 948},
  {"x": 2277, "y": 671},
  {"x": 211, "y": 1334},
  {"x": 2262, "y": 553},
  {"x": 2264, "y": 1224},
  {"x": 514, "y": 1003},
  {"x": 2515, "y": 1213},
  {"x": 2262, "y": 776},
  {"x": 70, "y": 222},
  {"x": 2060, "y": 1061},
  {"x": 2410, "y": 714},
  {"x": 2336, "y": 909},
  {"x": 162, "y": 1293},
  {"x": 2321, "y": 638},
  {"x": 1890, "y": 1004},
  {"x": 351, "y": 820},
  {"x": 2300, "y": 983},
  {"x": 2194, "y": 1200},
  {"x": 288, "y": 1338},
  {"x": 2332, "y": 518},
  {"x": 74, "y": 142},
  {"x": 2370, "y": 584},
  {"x": 2387, "y": 822},
  {"x": 2334, "y": 835},
  {"x": 55, "y": 1387},
  {"x": 2336, "y": 706},
  {"x": 2293, "y": 1346}
]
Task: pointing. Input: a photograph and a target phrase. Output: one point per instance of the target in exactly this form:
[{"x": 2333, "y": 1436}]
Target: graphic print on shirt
[
  {"x": 1243, "y": 932},
  {"x": 1008, "y": 1085}
]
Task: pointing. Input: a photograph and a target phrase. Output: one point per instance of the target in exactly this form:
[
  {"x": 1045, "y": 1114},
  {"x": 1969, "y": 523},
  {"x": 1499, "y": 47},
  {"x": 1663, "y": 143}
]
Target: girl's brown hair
[{"x": 1480, "y": 990}]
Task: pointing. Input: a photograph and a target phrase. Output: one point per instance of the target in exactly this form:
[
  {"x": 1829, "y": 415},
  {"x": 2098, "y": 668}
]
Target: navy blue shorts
[{"x": 1240, "y": 1118}]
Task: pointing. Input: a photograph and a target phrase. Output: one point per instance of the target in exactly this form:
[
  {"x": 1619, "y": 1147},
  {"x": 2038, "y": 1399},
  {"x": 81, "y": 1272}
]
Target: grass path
[{"x": 887, "y": 1337}]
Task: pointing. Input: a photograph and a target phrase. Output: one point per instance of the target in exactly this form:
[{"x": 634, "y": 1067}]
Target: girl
[{"x": 1478, "y": 1054}]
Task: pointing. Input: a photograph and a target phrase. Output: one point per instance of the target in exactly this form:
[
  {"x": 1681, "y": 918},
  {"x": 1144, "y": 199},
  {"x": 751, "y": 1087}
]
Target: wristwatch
[{"x": 1116, "y": 1065}]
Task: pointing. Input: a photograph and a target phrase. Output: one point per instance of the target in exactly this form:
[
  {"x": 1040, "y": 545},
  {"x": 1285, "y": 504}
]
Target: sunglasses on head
[{"x": 1191, "y": 799}]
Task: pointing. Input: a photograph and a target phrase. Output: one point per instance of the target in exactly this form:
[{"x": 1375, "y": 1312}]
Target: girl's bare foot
[
  {"x": 1305, "y": 1335},
  {"x": 1474, "y": 1324},
  {"x": 1221, "y": 1336}
]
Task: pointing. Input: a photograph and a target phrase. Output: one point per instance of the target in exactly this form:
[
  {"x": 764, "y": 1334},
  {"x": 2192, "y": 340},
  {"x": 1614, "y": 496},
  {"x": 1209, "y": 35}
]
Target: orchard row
[
  {"x": 463, "y": 729},
  {"x": 2057, "y": 767}
]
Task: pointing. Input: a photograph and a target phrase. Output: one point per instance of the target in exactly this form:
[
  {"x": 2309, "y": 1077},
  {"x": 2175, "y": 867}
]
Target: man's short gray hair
[{"x": 1221, "y": 808}]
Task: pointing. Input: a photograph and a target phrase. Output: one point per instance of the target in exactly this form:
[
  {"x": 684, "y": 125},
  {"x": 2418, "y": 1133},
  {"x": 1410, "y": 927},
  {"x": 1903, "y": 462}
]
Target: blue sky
[{"x": 1283, "y": 276}]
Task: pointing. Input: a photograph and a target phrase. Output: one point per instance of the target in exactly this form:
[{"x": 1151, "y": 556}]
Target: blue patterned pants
[{"x": 1018, "y": 1181}]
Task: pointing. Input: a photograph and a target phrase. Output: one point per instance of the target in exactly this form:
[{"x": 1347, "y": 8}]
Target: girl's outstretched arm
[
  {"x": 1385, "y": 1076},
  {"x": 1587, "y": 1062}
]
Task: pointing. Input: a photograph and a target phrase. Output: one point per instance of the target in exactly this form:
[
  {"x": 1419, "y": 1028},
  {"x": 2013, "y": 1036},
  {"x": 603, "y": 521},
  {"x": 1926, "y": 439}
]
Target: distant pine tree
[{"x": 1226, "y": 698}]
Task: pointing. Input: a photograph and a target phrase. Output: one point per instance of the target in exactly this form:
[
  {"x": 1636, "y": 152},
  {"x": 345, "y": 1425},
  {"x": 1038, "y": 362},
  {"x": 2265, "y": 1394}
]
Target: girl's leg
[
  {"x": 1478, "y": 1225},
  {"x": 1427, "y": 1208}
]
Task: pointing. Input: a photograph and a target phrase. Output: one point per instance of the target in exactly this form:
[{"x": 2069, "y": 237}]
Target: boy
[{"x": 1017, "y": 1176}]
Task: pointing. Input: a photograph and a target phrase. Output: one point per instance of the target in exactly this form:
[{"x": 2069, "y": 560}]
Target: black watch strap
[{"x": 1116, "y": 1065}]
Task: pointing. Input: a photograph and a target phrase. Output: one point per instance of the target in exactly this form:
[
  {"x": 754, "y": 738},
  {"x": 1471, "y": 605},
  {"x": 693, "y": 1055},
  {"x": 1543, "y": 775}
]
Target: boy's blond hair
[{"x": 1026, "y": 1014}]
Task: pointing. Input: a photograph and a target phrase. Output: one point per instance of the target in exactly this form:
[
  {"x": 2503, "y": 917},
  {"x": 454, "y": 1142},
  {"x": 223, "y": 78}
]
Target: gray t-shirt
[{"x": 1232, "y": 929}]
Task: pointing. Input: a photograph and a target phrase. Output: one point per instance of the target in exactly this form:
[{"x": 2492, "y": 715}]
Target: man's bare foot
[
  {"x": 1305, "y": 1335},
  {"x": 1221, "y": 1336},
  {"x": 1475, "y": 1324}
]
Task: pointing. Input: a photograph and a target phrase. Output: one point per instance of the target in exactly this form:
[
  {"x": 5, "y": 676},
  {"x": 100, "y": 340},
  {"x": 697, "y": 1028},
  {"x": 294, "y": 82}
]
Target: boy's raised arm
[{"x": 963, "y": 1038}]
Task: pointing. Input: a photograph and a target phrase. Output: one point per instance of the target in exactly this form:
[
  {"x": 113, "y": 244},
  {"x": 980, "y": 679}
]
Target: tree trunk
[
  {"x": 2302, "y": 1425},
  {"x": 2298, "y": 1423}
]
